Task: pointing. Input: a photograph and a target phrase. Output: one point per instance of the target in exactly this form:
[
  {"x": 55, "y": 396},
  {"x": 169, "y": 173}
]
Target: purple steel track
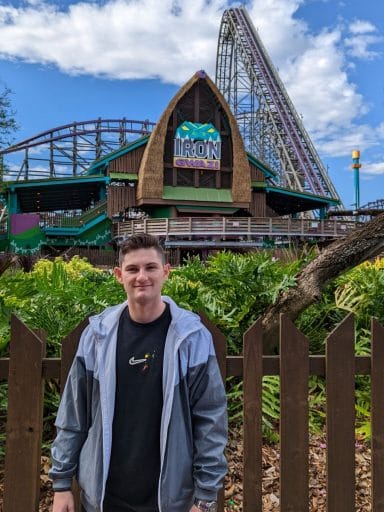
[{"x": 243, "y": 68}]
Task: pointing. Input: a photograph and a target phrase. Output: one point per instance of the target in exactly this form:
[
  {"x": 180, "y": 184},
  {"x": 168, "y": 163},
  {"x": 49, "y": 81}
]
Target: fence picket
[
  {"x": 294, "y": 375},
  {"x": 252, "y": 432},
  {"x": 377, "y": 416},
  {"x": 24, "y": 420},
  {"x": 68, "y": 352},
  {"x": 220, "y": 344},
  {"x": 340, "y": 383}
]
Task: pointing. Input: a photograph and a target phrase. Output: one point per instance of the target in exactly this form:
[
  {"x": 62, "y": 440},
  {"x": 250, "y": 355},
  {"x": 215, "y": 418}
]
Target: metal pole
[{"x": 356, "y": 177}]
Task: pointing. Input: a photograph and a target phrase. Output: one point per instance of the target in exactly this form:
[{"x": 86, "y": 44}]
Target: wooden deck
[{"x": 236, "y": 229}]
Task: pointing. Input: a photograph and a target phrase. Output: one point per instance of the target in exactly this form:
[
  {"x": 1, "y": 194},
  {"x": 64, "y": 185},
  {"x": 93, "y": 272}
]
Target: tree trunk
[{"x": 364, "y": 243}]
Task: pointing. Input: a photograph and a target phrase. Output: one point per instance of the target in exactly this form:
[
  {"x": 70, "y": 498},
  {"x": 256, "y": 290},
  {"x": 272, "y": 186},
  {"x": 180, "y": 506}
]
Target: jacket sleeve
[
  {"x": 209, "y": 419},
  {"x": 72, "y": 421}
]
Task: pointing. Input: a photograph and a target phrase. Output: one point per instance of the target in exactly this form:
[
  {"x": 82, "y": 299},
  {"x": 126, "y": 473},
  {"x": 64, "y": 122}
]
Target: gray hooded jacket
[{"x": 194, "y": 416}]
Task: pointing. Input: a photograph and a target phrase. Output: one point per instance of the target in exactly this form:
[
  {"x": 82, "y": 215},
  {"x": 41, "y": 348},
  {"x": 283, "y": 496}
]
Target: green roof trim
[
  {"x": 266, "y": 170},
  {"x": 57, "y": 181},
  {"x": 197, "y": 194},
  {"x": 104, "y": 161},
  {"x": 259, "y": 184},
  {"x": 133, "y": 176},
  {"x": 295, "y": 193}
]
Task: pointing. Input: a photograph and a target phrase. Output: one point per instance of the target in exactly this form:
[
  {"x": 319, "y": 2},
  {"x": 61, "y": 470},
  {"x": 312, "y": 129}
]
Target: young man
[{"x": 142, "y": 422}]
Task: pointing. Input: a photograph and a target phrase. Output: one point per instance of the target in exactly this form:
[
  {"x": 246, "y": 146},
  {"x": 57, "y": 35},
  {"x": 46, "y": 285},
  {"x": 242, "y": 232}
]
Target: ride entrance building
[{"x": 191, "y": 182}]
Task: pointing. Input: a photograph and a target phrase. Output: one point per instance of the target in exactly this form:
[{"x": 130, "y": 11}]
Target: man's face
[{"x": 142, "y": 274}]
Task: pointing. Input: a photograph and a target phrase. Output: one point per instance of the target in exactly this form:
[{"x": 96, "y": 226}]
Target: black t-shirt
[{"x": 135, "y": 459}]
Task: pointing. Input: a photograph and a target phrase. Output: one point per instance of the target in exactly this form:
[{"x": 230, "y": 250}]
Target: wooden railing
[{"x": 243, "y": 228}]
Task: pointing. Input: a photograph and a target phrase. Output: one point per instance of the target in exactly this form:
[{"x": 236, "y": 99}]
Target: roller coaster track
[
  {"x": 271, "y": 127},
  {"x": 70, "y": 149}
]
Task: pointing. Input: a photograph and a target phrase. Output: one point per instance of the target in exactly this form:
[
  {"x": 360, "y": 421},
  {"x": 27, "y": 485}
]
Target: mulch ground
[
  {"x": 271, "y": 502},
  {"x": 317, "y": 476}
]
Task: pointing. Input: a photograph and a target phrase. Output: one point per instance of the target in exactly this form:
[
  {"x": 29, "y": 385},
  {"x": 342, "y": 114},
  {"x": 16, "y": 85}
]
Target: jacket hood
[
  {"x": 183, "y": 321},
  {"x": 104, "y": 321}
]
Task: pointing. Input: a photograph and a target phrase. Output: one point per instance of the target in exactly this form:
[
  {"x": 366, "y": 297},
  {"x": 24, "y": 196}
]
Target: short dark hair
[{"x": 141, "y": 241}]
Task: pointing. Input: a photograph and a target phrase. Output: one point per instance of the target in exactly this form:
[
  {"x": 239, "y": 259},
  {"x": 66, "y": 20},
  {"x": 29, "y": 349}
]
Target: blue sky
[{"x": 71, "y": 61}]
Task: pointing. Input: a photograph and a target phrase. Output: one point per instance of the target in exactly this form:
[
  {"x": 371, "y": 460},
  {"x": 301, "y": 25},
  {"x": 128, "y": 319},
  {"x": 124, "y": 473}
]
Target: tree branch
[{"x": 361, "y": 245}]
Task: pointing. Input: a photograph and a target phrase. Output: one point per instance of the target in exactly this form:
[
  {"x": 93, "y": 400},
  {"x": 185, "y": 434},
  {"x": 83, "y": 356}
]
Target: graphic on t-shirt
[
  {"x": 145, "y": 360},
  {"x": 133, "y": 361}
]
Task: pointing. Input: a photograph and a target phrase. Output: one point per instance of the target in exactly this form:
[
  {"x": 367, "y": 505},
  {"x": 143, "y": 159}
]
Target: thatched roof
[{"x": 150, "y": 185}]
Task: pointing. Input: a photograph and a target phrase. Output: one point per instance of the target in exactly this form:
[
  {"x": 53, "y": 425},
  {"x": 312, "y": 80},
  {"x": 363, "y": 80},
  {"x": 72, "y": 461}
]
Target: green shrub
[{"x": 233, "y": 290}]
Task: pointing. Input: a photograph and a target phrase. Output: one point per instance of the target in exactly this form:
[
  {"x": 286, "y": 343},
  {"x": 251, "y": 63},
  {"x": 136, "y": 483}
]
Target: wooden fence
[{"x": 27, "y": 368}]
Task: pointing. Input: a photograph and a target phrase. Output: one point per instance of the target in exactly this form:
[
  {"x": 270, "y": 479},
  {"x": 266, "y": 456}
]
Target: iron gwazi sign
[{"x": 197, "y": 146}]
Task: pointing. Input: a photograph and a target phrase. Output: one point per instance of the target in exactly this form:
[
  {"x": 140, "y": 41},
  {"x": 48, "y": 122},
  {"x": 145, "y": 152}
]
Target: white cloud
[
  {"x": 361, "y": 27},
  {"x": 171, "y": 39},
  {"x": 362, "y": 38},
  {"x": 319, "y": 86},
  {"x": 357, "y": 46},
  {"x": 362, "y": 137},
  {"x": 373, "y": 169},
  {"x": 120, "y": 39},
  {"x": 291, "y": 36}
]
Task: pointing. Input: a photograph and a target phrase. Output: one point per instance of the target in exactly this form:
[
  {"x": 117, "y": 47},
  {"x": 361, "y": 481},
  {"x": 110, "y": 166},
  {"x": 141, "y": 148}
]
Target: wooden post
[
  {"x": 68, "y": 351},
  {"x": 220, "y": 344},
  {"x": 294, "y": 375},
  {"x": 340, "y": 381},
  {"x": 252, "y": 429},
  {"x": 24, "y": 420},
  {"x": 377, "y": 416}
]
